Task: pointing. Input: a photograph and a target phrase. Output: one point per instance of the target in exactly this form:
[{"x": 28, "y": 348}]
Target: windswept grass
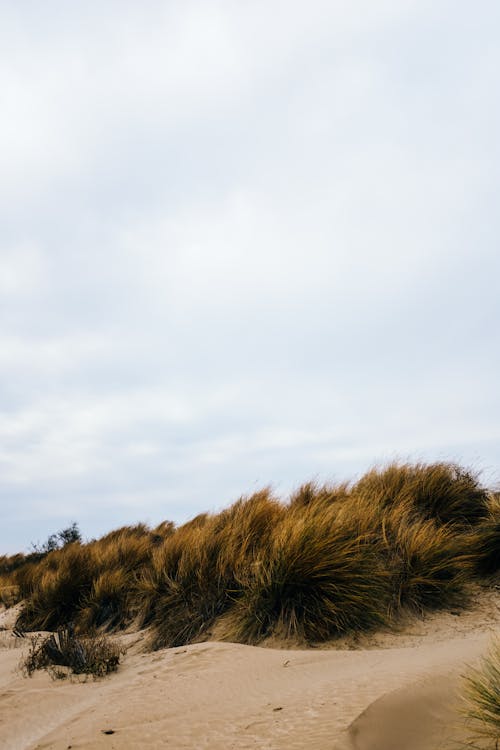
[
  {"x": 431, "y": 568},
  {"x": 56, "y": 587},
  {"x": 334, "y": 559},
  {"x": 444, "y": 492},
  {"x": 313, "y": 580},
  {"x": 193, "y": 576},
  {"x": 486, "y": 540},
  {"x": 482, "y": 695}
]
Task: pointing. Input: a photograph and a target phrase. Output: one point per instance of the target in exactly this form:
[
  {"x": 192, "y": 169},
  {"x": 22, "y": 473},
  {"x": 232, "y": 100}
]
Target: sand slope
[{"x": 396, "y": 691}]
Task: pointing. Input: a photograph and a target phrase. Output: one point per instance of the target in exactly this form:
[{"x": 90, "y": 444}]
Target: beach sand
[{"x": 388, "y": 691}]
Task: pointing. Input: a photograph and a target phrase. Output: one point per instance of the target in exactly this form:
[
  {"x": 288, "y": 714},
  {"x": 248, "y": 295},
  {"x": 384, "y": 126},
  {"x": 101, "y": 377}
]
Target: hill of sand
[{"x": 391, "y": 691}]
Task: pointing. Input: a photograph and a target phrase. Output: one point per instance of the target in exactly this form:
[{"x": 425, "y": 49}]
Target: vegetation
[
  {"x": 59, "y": 539},
  {"x": 94, "y": 655},
  {"x": 334, "y": 559},
  {"x": 482, "y": 693}
]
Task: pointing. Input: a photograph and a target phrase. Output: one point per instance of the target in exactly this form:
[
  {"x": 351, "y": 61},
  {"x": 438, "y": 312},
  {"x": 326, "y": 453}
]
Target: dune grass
[
  {"x": 313, "y": 580},
  {"x": 482, "y": 696},
  {"x": 486, "y": 540},
  {"x": 334, "y": 559}
]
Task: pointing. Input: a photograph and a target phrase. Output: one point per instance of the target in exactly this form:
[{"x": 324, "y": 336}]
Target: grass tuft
[
  {"x": 311, "y": 582},
  {"x": 94, "y": 655},
  {"x": 444, "y": 492},
  {"x": 482, "y": 696}
]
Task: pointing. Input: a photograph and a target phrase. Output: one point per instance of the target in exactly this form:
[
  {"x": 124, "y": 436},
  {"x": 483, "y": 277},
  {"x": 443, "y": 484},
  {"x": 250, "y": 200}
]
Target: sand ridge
[{"x": 217, "y": 695}]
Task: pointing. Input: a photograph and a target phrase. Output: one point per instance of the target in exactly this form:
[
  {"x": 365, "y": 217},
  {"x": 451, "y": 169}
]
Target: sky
[{"x": 242, "y": 244}]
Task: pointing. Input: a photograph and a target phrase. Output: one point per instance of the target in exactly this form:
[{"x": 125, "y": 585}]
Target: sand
[{"x": 391, "y": 691}]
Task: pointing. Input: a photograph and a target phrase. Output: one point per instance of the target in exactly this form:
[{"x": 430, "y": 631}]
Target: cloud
[{"x": 241, "y": 246}]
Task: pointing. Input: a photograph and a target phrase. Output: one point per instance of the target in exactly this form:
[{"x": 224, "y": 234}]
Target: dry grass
[
  {"x": 444, "y": 492},
  {"x": 314, "y": 579},
  {"x": 193, "y": 576},
  {"x": 482, "y": 696},
  {"x": 334, "y": 559},
  {"x": 485, "y": 542},
  {"x": 93, "y": 655}
]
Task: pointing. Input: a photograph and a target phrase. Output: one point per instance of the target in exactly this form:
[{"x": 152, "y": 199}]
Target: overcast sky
[{"x": 241, "y": 244}]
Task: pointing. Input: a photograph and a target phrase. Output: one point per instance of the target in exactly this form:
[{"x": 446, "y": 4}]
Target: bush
[
  {"x": 60, "y": 539},
  {"x": 94, "y": 655}
]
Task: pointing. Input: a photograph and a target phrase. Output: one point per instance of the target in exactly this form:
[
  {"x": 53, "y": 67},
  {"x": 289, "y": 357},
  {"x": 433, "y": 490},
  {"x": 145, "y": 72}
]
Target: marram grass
[
  {"x": 482, "y": 696},
  {"x": 334, "y": 559}
]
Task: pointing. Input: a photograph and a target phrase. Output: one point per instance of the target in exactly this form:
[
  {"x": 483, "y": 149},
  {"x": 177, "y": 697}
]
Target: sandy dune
[{"x": 391, "y": 692}]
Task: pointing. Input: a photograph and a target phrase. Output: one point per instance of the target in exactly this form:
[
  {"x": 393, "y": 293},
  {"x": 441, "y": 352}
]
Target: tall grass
[
  {"x": 193, "y": 576},
  {"x": 313, "y": 580},
  {"x": 444, "y": 492},
  {"x": 486, "y": 540},
  {"x": 482, "y": 695},
  {"x": 332, "y": 560}
]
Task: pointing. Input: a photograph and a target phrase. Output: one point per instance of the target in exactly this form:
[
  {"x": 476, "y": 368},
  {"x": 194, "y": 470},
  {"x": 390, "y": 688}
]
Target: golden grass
[
  {"x": 482, "y": 697},
  {"x": 485, "y": 542},
  {"x": 314, "y": 579},
  {"x": 441, "y": 491},
  {"x": 334, "y": 559}
]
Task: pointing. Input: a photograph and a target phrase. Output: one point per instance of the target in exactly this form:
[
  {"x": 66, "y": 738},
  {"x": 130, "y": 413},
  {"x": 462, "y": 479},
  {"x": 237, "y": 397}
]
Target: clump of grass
[
  {"x": 192, "y": 579},
  {"x": 117, "y": 558},
  {"x": 315, "y": 579},
  {"x": 89, "y": 584},
  {"x": 57, "y": 585},
  {"x": 482, "y": 696},
  {"x": 485, "y": 542},
  {"x": 319, "y": 496},
  {"x": 430, "y": 566},
  {"x": 444, "y": 492},
  {"x": 94, "y": 655},
  {"x": 107, "y": 603}
]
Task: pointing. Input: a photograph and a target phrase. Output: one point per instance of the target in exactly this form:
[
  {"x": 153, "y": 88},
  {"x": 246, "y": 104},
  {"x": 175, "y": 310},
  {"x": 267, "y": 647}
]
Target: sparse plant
[
  {"x": 60, "y": 539},
  {"x": 94, "y": 655}
]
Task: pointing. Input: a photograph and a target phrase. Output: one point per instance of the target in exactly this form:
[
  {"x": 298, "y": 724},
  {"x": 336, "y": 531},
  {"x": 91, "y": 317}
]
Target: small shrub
[
  {"x": 58, "y": 540},
  {"x": 482, "y": 696},
  {"x": 94, "y": 655}
]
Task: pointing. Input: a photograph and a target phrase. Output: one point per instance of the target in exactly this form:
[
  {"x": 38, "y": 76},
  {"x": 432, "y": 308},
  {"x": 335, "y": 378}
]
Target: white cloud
[
  {"x": 22, "y": 270},
  {"x": 241, "y": 245}
]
